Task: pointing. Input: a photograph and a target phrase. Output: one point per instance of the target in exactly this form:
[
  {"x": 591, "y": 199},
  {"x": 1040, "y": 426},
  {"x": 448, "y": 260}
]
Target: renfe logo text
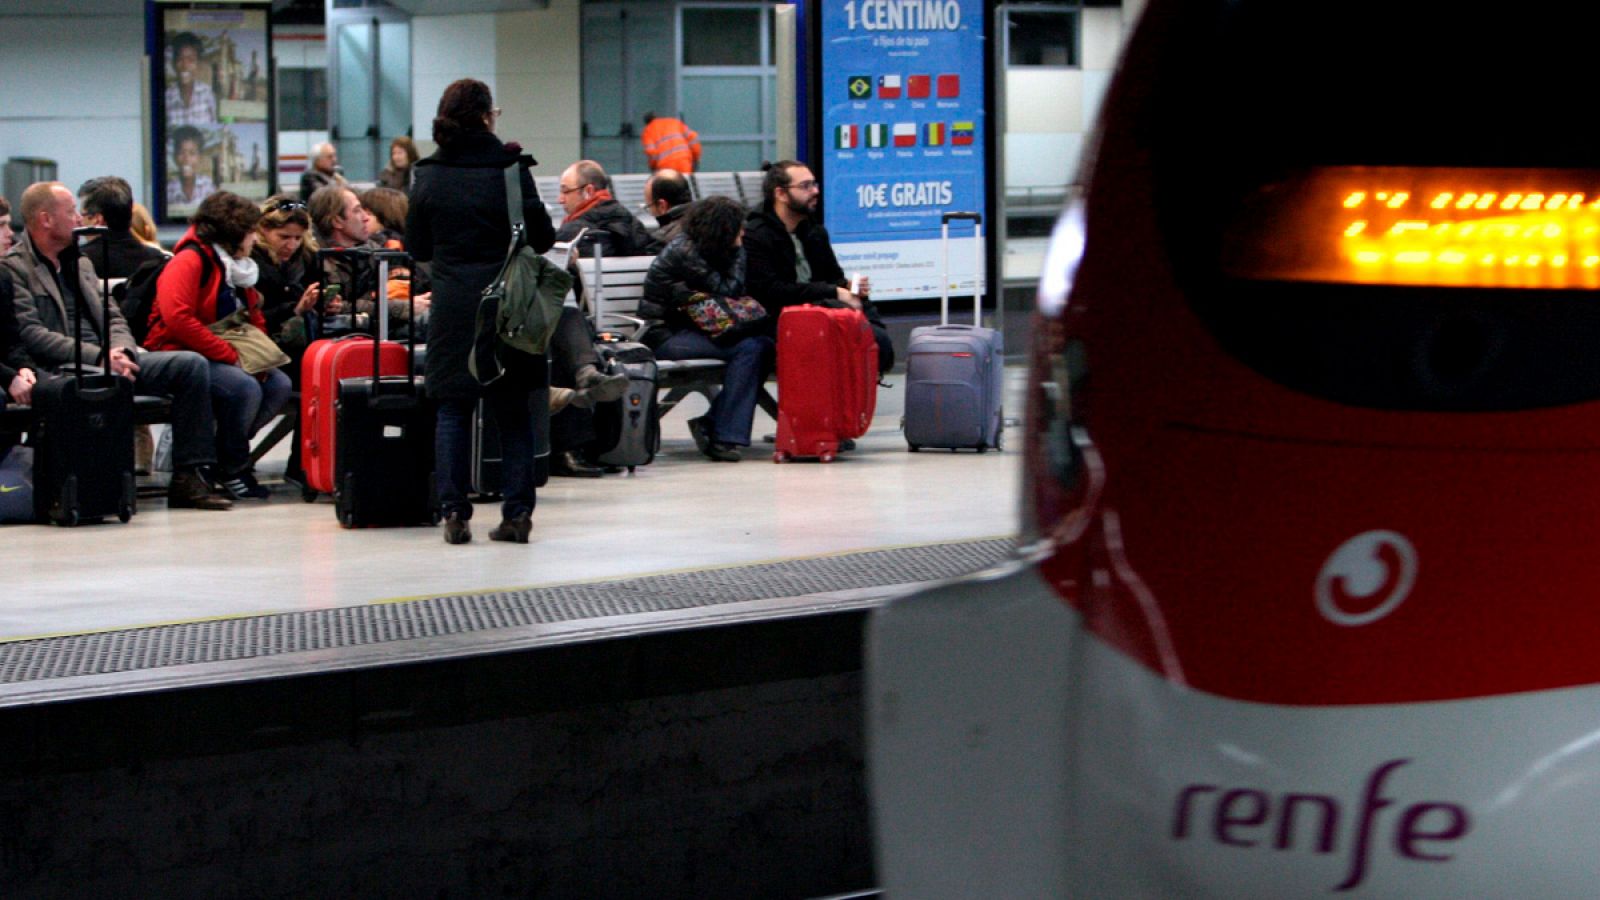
[{"x": 1246, "y": 817}]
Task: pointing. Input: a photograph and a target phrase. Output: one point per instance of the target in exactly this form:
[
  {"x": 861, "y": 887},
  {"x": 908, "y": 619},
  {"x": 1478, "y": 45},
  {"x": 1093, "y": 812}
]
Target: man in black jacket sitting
[
  {"x": 586, "y": 196},
  {"x": 789, "y": 260},
  {"x": 108, "y": 201}
]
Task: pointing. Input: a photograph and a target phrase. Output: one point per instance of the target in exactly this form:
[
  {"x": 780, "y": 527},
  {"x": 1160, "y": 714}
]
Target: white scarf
[{"x": 242, "y": 273}]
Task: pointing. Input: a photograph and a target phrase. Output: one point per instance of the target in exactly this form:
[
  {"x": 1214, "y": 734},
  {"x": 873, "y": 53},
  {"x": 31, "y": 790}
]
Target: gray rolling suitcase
[
  {"x": 627, "y": 431},
  {"x": 954, "y": 373}
]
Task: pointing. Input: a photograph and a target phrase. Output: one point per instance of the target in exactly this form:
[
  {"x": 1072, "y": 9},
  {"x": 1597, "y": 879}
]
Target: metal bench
[
  {"x": 613, "y": 297},
  {"x": 716, "y": 184}
]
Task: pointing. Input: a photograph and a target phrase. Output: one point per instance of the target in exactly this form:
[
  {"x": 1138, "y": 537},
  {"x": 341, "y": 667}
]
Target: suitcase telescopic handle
[
  {"x": 977, "y": 264},
  {"x": 82, "y": 305}
]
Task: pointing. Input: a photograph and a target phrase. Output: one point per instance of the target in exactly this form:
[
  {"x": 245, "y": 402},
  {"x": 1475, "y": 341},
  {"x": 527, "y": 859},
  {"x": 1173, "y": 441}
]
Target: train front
[{"x": 1314, "y": 469}]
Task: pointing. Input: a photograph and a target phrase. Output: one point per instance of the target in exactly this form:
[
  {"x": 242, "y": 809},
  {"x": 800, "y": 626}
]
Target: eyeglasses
[
  {"x": 285, "y": 205},
  {"x": 806, "y": 186},
  {"x": 496, "y": 112},
  {"x": 571, "y": 190}
]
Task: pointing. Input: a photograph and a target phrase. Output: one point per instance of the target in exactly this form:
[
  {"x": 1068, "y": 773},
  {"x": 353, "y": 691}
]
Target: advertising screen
[
  {"x": 212, "y": 105},
  {"x": 902, "y": 93}
]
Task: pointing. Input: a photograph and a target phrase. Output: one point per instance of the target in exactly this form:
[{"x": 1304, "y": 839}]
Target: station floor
[{"x": 681, "y": 513}]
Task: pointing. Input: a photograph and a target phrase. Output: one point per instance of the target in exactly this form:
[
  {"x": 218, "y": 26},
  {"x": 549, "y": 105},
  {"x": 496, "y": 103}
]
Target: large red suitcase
[
  {"x": 325, "y": 363},
  {"x": 827, "y": 380}
]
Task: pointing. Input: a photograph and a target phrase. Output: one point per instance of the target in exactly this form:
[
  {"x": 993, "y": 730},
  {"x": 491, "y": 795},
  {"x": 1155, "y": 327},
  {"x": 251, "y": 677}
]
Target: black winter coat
[
  {"x": 678, "y": 273},
  {"x": 280, "y": 287},
  {"x": 610, "y": 223},
  {"x": 13, "y": 354},
  {"x": 458, "y": 221},
  {"x": 771, "y": 267}
]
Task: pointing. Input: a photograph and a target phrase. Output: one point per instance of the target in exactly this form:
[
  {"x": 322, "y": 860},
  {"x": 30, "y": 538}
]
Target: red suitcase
[
  {"x": 827, "y": 380},
  {"x": 325, "y": 363}
]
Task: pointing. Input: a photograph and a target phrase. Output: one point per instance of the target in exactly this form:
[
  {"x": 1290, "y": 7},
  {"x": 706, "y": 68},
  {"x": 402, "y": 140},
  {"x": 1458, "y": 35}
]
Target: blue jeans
[
  {"x": 242, "y": 406},
  {"x": 452, "y": 449},
  {"x": 186, "y": 376},
  {"x": 749, "y": 361}
]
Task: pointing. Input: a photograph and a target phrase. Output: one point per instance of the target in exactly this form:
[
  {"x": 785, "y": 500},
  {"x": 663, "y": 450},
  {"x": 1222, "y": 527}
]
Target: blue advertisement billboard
[{"x": 903, "y": 123}]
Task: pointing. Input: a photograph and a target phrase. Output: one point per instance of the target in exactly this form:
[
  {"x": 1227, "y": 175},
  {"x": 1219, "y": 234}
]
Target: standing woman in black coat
[{"x": 458, "y": 221}]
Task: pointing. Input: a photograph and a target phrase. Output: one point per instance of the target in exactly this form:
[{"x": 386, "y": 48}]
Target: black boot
[
  {"x": 569, "y": 465},
  {"x": 513, "y": 530},
  {"x": 456, "y": 530}
]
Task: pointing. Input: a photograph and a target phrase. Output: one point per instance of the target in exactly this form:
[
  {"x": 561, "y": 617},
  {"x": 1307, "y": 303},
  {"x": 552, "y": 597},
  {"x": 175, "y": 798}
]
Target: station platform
[{"x": 677, "y": 650}]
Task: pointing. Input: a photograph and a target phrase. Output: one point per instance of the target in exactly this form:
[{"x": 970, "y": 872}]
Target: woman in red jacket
[{"x": 210, "y": 276}]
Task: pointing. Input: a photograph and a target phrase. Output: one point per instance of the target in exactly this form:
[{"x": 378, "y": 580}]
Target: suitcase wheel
[
  {"x": 826, "y": 457},
  {"x": 124, "y": 513},
  {"x": 982, "y": 449},
  {"x": 308, "y": 494},
  {"x": 781, "y": 456},
  {"x": 65, "y": 512},
  {"x": 913, "y": 448}
]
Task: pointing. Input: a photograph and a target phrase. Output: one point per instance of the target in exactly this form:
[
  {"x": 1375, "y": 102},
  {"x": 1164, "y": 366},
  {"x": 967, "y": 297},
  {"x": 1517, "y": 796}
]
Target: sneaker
[
  {"x": 189, "y": 491},
  {"x": 595, "y": 386},
  {"x": 244, "y": 486},
  {"x": 514, "y": 531},
  {"x": 456, "y": 530}
]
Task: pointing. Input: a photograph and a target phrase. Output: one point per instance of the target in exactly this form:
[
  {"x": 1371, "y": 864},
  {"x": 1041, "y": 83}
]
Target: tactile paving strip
[{"x": 228, "y": 640}]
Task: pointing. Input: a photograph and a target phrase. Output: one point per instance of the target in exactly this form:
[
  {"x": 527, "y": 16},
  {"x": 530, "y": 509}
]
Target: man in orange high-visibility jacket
[{"x": 670, "y": 144}]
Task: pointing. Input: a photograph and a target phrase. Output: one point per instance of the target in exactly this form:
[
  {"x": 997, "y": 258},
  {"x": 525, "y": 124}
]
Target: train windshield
[{"x": 1421, "y": 226}]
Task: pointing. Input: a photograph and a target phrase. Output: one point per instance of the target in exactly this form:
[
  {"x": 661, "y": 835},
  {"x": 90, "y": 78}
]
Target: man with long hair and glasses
[{"x": 790, "y": 260}]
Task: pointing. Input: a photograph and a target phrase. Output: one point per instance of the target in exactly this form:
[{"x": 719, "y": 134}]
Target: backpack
[{"x": 136, "y": 297}]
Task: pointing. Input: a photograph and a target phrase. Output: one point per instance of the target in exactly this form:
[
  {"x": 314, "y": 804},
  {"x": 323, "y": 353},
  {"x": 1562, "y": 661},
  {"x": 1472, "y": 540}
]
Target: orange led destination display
[{"x": 1521, "y": 228}]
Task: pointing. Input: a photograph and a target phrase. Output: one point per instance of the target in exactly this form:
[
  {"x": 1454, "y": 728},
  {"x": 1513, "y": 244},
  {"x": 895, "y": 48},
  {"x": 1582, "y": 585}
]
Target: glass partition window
[
  {"x": 721, "y": 36},
  {"x": 726, "y": 80},
  {"x": 1042, "y": 37}
]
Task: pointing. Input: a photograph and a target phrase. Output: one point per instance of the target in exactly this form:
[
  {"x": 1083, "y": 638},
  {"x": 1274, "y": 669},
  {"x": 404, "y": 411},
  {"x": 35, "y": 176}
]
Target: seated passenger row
[{"x": 241, "y": 263}]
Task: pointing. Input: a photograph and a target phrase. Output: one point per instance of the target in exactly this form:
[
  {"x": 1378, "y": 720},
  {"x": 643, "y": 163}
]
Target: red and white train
[{"x": 1313, "y": 477}]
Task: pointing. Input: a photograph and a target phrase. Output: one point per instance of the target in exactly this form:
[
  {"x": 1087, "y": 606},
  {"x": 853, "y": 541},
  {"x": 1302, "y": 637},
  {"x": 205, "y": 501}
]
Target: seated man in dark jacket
[
  {"x": 667, "y": 197},
  {"x": 789, "y": 258},
  {"x": 586, "y": 196},
  {"x": 108, "y": 201}
]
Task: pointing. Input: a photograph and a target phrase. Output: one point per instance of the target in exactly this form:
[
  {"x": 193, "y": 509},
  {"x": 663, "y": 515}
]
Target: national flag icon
[
  {"x": 949, "y": 86},
  {"x": 847, "y": 137},
  {"x": 905, "y": 134},
  {"x": 859, "y": 87},
  {"x": 934, "y": 134},
  {"x": 962, "y": 133},
  {"x": 888, "y": 87},
  {"x": 918, "y": 86},
  {"x": 877, "y": 135}
]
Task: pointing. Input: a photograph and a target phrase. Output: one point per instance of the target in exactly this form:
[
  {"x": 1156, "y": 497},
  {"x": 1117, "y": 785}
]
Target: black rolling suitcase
[
  {"x": 383, "y": 449},
  {"x": 83, "y": 457},
  {"x": 487, "y": 479}
]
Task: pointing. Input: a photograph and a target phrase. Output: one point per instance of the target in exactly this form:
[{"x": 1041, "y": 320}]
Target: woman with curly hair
[
  {"x": 707, "y": 259},
  {"x": 210, "y": 276}
]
